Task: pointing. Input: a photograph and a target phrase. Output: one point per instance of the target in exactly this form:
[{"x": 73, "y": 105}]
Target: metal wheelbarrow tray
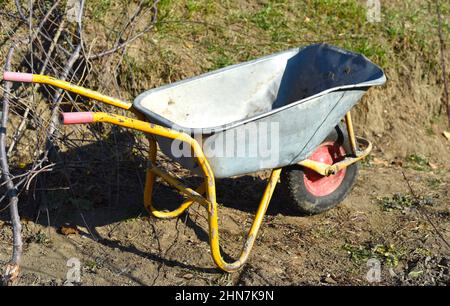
[
  {"x": 282, "y": 111},
  {"x": 305, "y": 92}
]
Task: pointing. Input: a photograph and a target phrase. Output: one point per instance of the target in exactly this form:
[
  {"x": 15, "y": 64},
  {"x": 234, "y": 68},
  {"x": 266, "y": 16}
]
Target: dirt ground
[
  {"x": 397, "y": 215},
  {"x": 378, "y": 220}
]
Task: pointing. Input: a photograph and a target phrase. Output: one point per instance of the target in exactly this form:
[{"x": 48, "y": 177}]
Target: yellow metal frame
[
  {"x": 207, "y": 187},
  {"x": 205, "y": 194},
  {"x": 44, "y": 79},
  {"x": 325, "y": 169}
]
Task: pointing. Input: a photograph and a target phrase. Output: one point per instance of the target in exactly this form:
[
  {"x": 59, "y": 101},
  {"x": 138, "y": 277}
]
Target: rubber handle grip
[
  {"x": 18, "y": 77},
  {"x": 76, "y": 118}
]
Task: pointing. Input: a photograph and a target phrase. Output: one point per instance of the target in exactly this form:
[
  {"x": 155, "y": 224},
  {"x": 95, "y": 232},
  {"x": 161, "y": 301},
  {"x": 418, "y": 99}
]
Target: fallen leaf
[
  {"x": 415, "y": 274},
  {"x": 188, "y": 45},
  {"x": 69, "y": 230},
  {"x": 433, "y": 166},
  {"x": 378, "y": 161},
  {"x": 446, "y": 135}
]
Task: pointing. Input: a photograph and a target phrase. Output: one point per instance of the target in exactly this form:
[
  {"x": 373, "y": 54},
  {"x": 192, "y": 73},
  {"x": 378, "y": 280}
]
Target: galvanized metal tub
[{"x": 262, "y": 114}]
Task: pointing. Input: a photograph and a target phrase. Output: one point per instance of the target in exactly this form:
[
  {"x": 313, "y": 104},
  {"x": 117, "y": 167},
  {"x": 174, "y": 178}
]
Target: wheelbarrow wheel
[{"x": 308, "y": 192}]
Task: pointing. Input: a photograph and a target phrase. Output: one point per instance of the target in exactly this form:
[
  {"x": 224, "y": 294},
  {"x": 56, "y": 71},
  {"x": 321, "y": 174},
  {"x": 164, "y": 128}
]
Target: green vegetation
[
  {"x": 422, "y": 252},
  {"x": 367, "y": 162},
  {"x": 56, "y": 198},
  {"x": 387, "y": 254},
  {"x": 99, "y": 9},
  {"x": 226, "y": 32},
  {"x": 92, "y": 266},
  {"x": 417, "y": 162},
  {"x": 40, "y": 238},
  {"x": 434, "y": 182},
  {"x": 222, "y": 60},
  {"x": 400, "y": 201},
  {"x": 430, "y": 132}
]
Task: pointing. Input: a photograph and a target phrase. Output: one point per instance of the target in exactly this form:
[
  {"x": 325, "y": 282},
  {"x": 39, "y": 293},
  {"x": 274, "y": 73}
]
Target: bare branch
[
  {"x": 444, "y": 73},
  {"x": 20, "y": 11},
  {"x": 118, "y": 46},
  {"x": 12, "y": 269}
]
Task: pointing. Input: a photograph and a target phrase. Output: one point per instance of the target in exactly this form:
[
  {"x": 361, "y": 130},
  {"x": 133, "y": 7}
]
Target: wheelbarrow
[{"x": 288, "y": 112}]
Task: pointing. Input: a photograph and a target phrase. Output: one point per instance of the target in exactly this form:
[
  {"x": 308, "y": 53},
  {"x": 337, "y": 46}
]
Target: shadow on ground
[{"x": 102, "y": 183}]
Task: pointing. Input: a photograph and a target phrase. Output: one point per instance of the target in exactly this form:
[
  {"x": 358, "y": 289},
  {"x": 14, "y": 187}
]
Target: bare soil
[{"x": 120, "y": 244}]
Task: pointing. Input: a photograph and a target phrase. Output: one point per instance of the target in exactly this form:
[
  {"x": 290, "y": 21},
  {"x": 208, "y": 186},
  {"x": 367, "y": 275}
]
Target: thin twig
[
  {"x": 120, "y": 46},
  {"x": 20, "y": 11},
  {"x": 423, "y": 213}
]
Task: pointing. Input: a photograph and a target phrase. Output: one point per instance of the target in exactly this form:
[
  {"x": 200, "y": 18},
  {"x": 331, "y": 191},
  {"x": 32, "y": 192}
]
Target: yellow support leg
[
  {"x": 148, "y": 190},
  {"x": 350, "y": 132},
  {"x": 214, "y": 240}
]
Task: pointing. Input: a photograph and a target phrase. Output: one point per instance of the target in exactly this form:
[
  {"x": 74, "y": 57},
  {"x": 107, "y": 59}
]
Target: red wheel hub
[{"x": 319, "y": 185}]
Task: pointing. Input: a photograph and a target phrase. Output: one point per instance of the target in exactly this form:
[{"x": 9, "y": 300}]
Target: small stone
[
  {"x": 446, "y": 135},
  {"x": 188, "y": 276},
  {"x": 329, "y": 280}
]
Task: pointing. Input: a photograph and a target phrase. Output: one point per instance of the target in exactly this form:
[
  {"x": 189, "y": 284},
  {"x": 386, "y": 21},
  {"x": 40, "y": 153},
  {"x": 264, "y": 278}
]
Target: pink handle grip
[
  {"x": 18, "y": 77},
  {"x": 76, "y": 118}
]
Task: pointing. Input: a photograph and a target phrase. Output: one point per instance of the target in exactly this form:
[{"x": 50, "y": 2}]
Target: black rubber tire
[{"x": 299, "y": 199}]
